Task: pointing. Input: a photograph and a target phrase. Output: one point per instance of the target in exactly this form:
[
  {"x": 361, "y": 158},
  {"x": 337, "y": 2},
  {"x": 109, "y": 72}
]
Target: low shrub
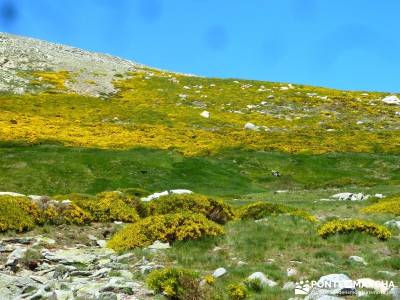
[
  {"x": 346, "y": 226},
  {"x": 166, "y": 228},
  {"x": 18, "y": 213},
  {"x": 261, "y": 210},
  {"x": 214, "y": 209},
  {"x": 108, "y": 207},
  {"x": 389, "y": 206},
  {"x": 175, "y": 283},
  {"x": 254, "y": 284},
  {"x": 237, "y": 292}
]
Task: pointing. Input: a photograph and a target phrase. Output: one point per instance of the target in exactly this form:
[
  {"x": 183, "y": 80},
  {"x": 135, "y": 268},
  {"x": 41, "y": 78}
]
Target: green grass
[{"x": 53, "y": 169}]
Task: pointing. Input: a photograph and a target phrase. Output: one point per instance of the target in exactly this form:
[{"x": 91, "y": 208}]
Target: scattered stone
[
  {"x": 289, "y": 286},
  {"x": 393, "y": 99},
  {"x": 166, "y": 193},
  {"x": 357, "y": 259},
  {"x": 15, "y": 257},
  {"x": 219, "y": 272},
  {"x": 263, "y": 279},
  {"x": 350, "y": 197},
  {"x": 291, "y": 272},
  {"x": 157, "y": 245},
  {"x": 101, "y": 243},
  {"x": 332, "y": 285},
  {"x": 393, "y": 224},
  {"x": 205, "y": 114},
  {"x": 251, "y": 126}
]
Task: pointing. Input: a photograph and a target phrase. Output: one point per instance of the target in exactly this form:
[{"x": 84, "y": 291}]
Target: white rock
[
  {"x": 291, "y": 272},
  {"x": 380, "y": 196},
  {"x": 15, "y": 256},
  {"x": 12, "y": 194},
  {"x": 393, "y": 99},
  {"x": 166, "y": 193},
  {"x": 101, "y": 243},
  {"x": 289, "y": 286},
  {"x": 393, "y": 224},
  {"x": 263, "y": 279},
  {"x": 357, "y": 259},
  {"x": 157, "y": 245},
  {"x": 350, "y": 197},
  {"x": 219, "y": 272},
  {"x": 331, "y": 285},
  {"x": 251, "y": 126},
  {"x": 205, "y": 114}
]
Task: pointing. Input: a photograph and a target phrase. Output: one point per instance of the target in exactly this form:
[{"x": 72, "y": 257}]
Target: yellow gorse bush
[
  {"x": 353, "y": 225},
  {"x": 166, "y": 228},
  {"x": 261, "y": 210},
  {"x": 389, "y": 206},
  {"x": 106, "y": 206},
  {"x": 212, "y": 208},
  {"x": 17, "y": 213}
]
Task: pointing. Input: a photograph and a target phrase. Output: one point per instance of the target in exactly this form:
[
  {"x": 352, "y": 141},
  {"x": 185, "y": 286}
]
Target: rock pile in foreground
[{"x": 34, "y": 269}]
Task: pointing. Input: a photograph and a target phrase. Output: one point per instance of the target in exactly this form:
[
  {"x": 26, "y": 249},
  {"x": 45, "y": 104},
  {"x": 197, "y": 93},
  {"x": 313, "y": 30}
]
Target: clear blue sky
[{"x": 349, "y": 44}]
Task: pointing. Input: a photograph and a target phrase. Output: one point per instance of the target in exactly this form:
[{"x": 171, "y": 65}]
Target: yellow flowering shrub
[
  {"x": 56, "y": 80},
  {"x": 389, "y": 206},
  {"x": 17, "y": 213},
  {"x": 237, "y": 292},
  {"x": 73, "y": 214},
  {"x": 151, "y": 112},
  {"x": 261, "y": 210},
  {"x": 352, "y": 225},
  {"x": 213, "y": 208},
  {"x": 107, "y": 207},
  {"x": 175, "y": 283},
  {"x": 166, "y": 228}
]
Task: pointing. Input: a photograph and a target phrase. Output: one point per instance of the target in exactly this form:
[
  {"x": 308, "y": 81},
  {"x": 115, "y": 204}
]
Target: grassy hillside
[{"x": 161, "y": 110}]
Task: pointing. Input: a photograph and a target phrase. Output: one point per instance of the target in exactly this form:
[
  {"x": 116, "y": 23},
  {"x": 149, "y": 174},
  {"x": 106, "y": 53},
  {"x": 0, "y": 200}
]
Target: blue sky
[{"x": 349, "y": 44}]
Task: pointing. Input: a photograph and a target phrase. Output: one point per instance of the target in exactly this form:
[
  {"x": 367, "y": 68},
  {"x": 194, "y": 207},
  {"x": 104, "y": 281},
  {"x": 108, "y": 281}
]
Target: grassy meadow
[{"x": 150, "y": 136}]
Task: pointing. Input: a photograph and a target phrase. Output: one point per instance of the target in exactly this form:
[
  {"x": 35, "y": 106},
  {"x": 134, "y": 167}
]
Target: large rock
[
  {"x": 262, "y": 278},
  {"x": 393, "y": 224},
  {"x": 332, "y": 285},
  {"x": 350, "y": 196},
  {"x": 392, "y": 99},
  {"x": 219, "y": 272},
  {"x": 73, "y": 256}
]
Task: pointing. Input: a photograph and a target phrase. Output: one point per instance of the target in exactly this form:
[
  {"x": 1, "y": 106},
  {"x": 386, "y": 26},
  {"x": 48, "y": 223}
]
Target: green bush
[
  {"x": 166, "y": 228},
  {"x": 214, "y": 209},
  {"x": 254, "y": 285},
  {"x": 346, "y": 226},
  {"x": 259, "y": 210},
  {"x": 18, "y": 213},
  {"x": 179, "y": 284}
]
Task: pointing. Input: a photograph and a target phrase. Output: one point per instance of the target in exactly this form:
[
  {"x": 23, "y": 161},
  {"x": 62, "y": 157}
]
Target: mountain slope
[{"x": 138, "y": 106}]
